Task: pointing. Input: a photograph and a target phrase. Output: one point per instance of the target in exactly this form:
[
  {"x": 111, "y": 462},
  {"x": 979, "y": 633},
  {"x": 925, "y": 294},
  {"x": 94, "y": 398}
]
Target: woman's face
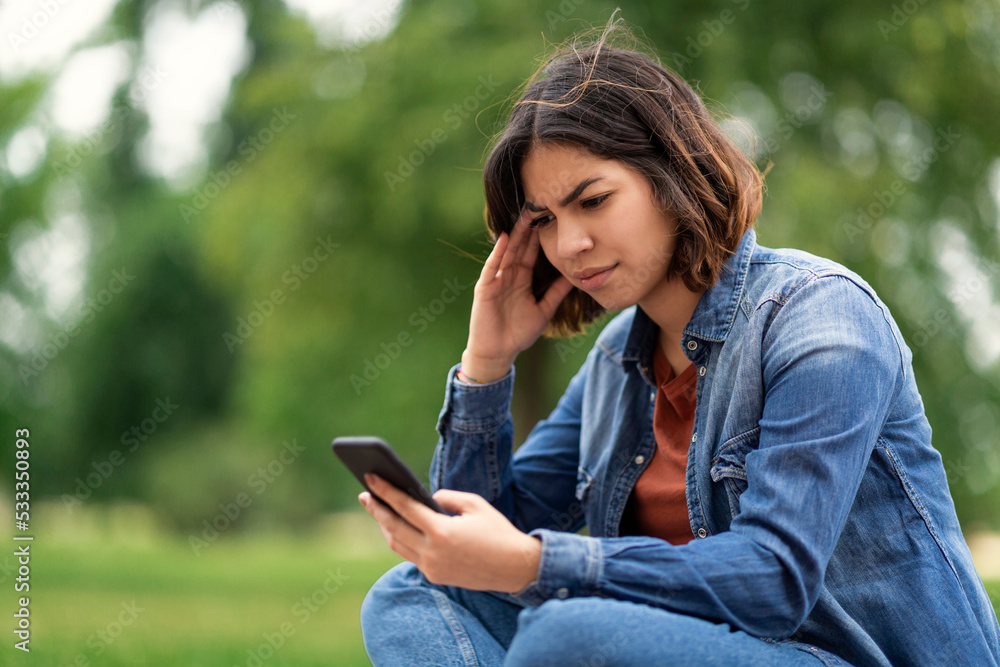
[{"x": 598, "y": 224}]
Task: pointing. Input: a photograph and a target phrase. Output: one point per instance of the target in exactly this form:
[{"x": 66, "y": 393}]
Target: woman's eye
[
  {"x": 540, "y": 222},
  {"x": 594, "y": 202}
]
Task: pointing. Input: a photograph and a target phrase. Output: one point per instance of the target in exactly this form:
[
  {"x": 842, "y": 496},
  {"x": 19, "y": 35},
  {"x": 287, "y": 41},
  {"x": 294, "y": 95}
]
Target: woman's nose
[{"x": 573, "y": 238}]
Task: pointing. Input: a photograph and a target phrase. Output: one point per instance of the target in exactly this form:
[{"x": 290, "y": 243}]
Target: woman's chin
[{"x": 612, "y": 301}]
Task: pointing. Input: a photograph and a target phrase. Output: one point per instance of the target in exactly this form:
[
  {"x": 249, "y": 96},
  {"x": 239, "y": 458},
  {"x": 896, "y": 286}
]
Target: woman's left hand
[{"x": 477, "y": 549}]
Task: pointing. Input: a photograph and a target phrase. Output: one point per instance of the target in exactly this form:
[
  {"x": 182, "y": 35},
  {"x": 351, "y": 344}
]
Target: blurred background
[{"x": 231, "y": 231}]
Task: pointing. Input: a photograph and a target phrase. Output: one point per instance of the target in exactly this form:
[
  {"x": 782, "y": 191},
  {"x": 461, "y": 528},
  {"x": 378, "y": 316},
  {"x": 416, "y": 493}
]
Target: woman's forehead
[{"x": 551, "y": 173}]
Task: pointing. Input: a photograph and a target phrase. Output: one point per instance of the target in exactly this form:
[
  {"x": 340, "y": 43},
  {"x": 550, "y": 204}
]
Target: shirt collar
[{"x": 713, "y": 316}]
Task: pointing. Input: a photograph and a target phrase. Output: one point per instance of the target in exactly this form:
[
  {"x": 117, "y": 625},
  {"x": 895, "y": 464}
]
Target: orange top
[{"x": 658, "y": 505}]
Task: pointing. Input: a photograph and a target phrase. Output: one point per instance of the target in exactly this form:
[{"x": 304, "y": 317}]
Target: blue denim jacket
[{"x": 822, "y": 509}]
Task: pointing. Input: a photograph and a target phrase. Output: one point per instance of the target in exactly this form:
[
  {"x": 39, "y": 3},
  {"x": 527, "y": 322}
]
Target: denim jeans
[{"x": 406, "y": 620}]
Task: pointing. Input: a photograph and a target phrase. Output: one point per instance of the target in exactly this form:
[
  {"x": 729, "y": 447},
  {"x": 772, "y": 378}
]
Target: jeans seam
[
  {"x": 461, "y": 637},
  {"x": 823, "y": 657}
]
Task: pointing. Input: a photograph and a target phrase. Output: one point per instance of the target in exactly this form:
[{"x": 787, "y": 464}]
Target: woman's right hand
[{"x": 506, "y": 319}]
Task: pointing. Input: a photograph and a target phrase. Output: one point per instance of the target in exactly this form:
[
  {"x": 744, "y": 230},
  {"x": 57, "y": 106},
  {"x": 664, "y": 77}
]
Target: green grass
[
  {"x": 993, "y": 588},
  {"x": 214, "y": 609}
]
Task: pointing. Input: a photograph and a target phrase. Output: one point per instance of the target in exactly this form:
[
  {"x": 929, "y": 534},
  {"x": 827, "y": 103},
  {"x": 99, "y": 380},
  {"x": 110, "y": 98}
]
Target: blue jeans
[{"x": 406, "y": 620}]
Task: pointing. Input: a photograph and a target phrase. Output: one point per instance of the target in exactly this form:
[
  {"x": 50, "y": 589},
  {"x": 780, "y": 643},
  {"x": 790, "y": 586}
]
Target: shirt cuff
[
  {"x": 476, "y": 407},
  {"x": 570, "y": 566}
]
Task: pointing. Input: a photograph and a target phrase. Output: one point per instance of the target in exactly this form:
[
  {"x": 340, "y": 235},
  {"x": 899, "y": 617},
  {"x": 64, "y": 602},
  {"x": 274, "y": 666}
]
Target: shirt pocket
[{"x": 729, "y": 466}]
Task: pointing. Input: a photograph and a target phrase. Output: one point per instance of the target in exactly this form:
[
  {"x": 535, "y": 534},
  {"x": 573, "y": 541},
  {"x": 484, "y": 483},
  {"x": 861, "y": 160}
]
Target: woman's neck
[{"x": 671, "y": 308}]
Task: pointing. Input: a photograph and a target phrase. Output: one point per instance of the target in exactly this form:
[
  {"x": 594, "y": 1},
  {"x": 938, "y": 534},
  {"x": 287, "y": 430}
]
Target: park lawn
[
  {"x": 993, "y": 588},
  {"x": 246, "y": 602}
]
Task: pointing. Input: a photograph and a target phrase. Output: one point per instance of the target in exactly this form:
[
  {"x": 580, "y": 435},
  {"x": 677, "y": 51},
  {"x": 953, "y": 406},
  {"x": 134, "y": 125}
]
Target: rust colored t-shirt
[{"x": 658, "y": 505}]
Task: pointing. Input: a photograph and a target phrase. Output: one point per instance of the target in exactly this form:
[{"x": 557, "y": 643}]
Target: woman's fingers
[
  {"x": 516, "y": 247},
  {"x": 554, "y": 295},
  {"x": 528, "y": 254},
  {"x": 492, "y": 265},
  {"x": 396, "y": 530}
]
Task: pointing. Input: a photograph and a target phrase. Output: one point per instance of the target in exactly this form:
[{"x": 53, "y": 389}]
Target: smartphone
[{"x": 364, "y": 454}]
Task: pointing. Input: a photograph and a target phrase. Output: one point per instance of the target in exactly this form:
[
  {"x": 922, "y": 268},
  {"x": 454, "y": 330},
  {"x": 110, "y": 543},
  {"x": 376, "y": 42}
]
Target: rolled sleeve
[
  {"x": 475, "y": 407},
  {"x": 476, "y": 433}
]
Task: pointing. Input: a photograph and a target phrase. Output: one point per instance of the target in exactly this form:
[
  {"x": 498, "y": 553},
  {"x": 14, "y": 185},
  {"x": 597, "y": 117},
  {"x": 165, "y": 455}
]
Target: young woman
[{"x": 745, "y": 443}]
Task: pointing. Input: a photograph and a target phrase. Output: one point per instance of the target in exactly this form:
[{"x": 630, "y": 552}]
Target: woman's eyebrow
[{"x": 576, "y": 192}]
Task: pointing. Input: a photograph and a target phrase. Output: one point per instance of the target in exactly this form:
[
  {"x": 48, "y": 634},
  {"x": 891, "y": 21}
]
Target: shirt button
[
  {"x": 694, "y": 437},
  {"x": 702, "y": 371},
  {"x": 702, "y": 532},
  {"x": 562, "y": 593},
  {"x": 692, "y": 345},
  {"x": 639, "y": 459}
]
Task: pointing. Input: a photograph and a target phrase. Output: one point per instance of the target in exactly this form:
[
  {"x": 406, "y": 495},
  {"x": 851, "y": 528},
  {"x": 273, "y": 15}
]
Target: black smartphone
[{"x": 364, "y": 454}]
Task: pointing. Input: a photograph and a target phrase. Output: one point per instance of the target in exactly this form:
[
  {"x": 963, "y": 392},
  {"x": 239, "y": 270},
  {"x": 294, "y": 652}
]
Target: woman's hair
[{"x": 622, "y": 104}]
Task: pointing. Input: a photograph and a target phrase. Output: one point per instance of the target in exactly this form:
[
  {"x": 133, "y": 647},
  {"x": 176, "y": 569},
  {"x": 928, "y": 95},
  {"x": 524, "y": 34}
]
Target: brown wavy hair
[{"x": 623, "y": 104}]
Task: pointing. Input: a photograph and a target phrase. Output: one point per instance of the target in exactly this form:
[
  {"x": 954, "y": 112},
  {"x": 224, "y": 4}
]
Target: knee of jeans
[
  {"x": 540, "y": 629},
  {"x": 552, "y": 618},
  {"x": 384, "y": 593},
  {"x": 582, "y": 632}
]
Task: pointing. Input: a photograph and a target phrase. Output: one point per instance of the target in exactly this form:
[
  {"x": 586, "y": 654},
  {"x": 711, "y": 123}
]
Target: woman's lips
[{"x": 591, "y": 279}]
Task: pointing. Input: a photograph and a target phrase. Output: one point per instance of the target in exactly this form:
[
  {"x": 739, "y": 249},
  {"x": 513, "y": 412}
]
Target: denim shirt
[{"x": 821, "y": 511}]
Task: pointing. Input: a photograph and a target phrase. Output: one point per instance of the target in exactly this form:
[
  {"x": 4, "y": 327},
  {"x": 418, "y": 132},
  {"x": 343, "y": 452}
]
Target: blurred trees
[{"x": 317, "y": 281}]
